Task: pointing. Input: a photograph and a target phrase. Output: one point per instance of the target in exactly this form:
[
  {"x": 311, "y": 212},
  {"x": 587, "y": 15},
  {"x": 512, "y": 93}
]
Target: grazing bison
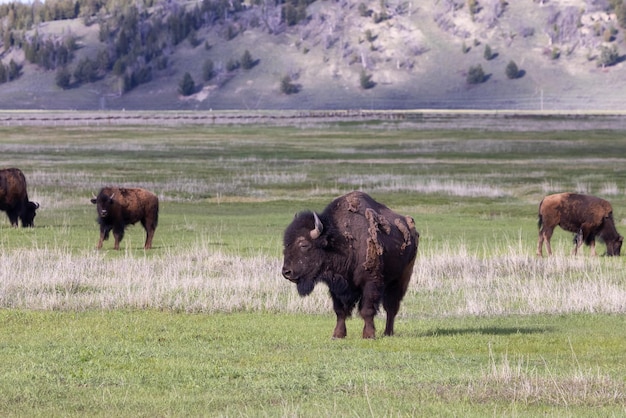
[
  {"x": 118, "y": 207},
  {"x": 14, "y": 197},
  {"x": 361, "y": 249},
  {"x": 586, "y": 216}
]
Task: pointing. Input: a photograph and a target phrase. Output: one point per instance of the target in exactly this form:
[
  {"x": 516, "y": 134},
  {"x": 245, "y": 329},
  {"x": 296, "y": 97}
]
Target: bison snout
[{"x": 287, "y": 274}]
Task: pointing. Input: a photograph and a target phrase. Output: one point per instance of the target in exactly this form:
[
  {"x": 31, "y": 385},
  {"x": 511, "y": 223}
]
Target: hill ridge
[{"x": 416, "y": 54}]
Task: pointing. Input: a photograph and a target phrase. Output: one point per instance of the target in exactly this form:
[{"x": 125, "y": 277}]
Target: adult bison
[
  {"x": 118, "y": 207},
  {"x": 14, "y": 198},
  {"x": 587, "y": 216},
  {"x": 361, "y": 249}
]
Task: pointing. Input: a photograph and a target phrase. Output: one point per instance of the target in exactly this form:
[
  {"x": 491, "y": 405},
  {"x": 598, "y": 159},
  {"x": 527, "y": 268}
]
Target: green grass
[
  {"x": 147, "y": 363},
  {"x": 204, "y": 324}
]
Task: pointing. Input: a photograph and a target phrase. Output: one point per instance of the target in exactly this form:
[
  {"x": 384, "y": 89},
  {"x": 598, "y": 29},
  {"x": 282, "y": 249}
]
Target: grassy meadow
[{"x": 204, "y": 324}]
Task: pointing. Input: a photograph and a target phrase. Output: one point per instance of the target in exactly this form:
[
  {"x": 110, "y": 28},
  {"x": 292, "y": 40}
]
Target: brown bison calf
[
  {"x": 586, "y": 216},
  {"x": 118, "y": 207}
]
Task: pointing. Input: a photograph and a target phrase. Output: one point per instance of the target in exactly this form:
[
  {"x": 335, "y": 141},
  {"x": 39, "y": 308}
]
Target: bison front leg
[
  {"x": 343, "y": 309},
  {"x": 104, "y": 235},
  {"x": 100, "y": 241},
  {"x": 340, "y": 329},
  {"x": 118, "y": 234}
]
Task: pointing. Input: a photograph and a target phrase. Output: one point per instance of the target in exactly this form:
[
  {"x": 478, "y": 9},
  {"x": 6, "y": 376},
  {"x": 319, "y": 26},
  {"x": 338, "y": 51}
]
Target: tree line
[{"x": 136, "y": 37}]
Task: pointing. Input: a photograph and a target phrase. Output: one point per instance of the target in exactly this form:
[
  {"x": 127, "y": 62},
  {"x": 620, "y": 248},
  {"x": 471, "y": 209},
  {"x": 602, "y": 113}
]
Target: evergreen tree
[
  {"x": 14, "y": 70},
  {"x": 246, "y": 60},
  {"x": 63, "y": 78},
  {"x": 4, "y": 76},
  {"x": 488, "y": 54},
  {"x": 366, "y": 80},
  {"x": 85, "y": 71},
  {"x": 207, "y": 70},
  {"x": 475, "y": 75},
  {"x": 287, "y": 86},
  {"x": 187, "y": 86},
  {"x": 512, "y": 71}
]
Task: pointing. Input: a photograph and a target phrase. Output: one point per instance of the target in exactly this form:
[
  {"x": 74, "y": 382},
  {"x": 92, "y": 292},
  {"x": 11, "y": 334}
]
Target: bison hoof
[{"x": 369, "y": 334}]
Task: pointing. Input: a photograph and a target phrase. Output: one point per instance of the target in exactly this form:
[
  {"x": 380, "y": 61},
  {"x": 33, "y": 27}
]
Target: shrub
[
  {"x": 187, "y": 86},
  {"x": 556, "y": 53},
  {"x": 608, "y": 56},
  {"x": 232, "y": 65},
  {"x": 512, "y": 71},
  {"x": 475, "y": 75}
]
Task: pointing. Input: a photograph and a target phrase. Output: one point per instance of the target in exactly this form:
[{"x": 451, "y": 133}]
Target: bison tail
[{"x": 540, "y": 220}]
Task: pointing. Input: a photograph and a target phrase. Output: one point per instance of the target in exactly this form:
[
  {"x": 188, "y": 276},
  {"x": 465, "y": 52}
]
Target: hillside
[{"x": 417, "y": 55}]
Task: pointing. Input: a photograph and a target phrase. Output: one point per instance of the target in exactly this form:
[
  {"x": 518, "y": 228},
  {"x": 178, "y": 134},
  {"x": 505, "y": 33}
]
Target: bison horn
[
  {"x": 315, "y": 233},
  {"x": 36, "y": 205}
]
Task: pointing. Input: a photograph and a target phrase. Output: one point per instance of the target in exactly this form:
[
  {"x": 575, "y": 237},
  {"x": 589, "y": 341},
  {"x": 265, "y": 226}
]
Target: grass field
[{"x": 204, "y": 324}]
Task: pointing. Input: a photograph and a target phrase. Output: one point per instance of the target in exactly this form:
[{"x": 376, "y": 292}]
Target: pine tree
[
  {"x": 246, "y": 60},
  {"x": 366, "y": 80},
  {"x": 512, "y": 71},
  {"x": 475, "y": 75},
  {"x": 207, "y": 70},
  {"x": 63, "y": 78},
  {"x": 187, "y": 86}
]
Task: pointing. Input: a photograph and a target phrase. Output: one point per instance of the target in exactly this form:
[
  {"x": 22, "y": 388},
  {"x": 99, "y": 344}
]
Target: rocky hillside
[{"x": 351, "y": 54}]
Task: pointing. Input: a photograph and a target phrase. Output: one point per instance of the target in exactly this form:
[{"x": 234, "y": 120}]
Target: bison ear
[
  {"x": 319, "y": 227},
  {"x": 93, "y": 200}
]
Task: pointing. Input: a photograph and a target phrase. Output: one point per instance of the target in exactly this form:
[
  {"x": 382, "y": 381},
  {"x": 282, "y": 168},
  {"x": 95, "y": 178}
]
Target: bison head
[
  {"x": 305, "y": 251},
  {"x": 614, "y": 247},
  {"x": 28, "y": 214},
  {"x": 103, "y": 204}
]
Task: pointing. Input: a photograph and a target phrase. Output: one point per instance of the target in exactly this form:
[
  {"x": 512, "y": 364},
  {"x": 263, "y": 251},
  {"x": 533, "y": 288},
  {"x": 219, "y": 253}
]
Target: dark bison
[
  {"x": 118, "y": 207},
  {"x": 586, "y": 216},
  {"x": 14, "y": 197},
  {"x": 361, "y": 249}
]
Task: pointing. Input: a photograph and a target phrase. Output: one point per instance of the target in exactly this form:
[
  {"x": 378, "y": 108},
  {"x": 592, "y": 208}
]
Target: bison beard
[{"x": 362, "y": 250}]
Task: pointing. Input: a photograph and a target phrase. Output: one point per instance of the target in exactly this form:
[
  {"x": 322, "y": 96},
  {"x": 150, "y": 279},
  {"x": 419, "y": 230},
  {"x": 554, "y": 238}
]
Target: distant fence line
[{"x": 426, "y": 119}]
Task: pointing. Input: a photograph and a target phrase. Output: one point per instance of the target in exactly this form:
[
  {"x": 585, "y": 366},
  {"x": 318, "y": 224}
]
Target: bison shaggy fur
[
  {"x": 586, "y": 216},
  {"x": 362, "y": 250},
  {"x": 118, "y": 207},
  {"x": 14, "y": 198}
]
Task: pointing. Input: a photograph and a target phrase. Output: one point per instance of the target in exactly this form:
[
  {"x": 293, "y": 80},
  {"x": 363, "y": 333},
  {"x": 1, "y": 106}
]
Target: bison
[
  {"x": 118, "y": 207},
  {"x": 586, "y": 216},
  {"x": 14, "y": 198},
  {"x": 362, "y": 250}
]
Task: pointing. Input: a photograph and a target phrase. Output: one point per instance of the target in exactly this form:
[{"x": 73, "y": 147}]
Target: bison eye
[{"x": 304, "y": 245}]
